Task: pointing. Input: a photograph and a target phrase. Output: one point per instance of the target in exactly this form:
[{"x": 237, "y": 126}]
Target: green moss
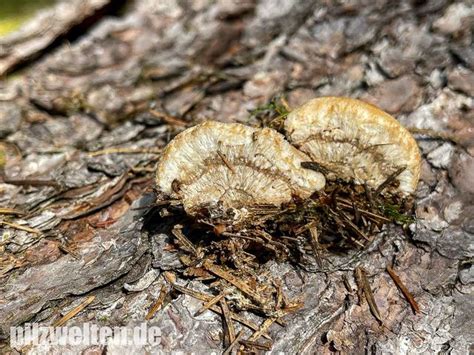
[
  {"x": 396, "y": 214},
  {"x": 13, "y": 13},
  {"x": 274, "y": 107}
]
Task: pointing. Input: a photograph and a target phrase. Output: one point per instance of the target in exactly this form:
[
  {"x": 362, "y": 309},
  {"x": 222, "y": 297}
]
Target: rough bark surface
[{"x": 136, "y": 80}]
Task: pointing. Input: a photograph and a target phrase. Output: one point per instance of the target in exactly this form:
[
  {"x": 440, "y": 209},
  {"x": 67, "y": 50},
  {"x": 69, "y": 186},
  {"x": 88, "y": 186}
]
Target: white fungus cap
[
  {"x": 356, "y": 141},
  {"x": 234, "y": 165}
]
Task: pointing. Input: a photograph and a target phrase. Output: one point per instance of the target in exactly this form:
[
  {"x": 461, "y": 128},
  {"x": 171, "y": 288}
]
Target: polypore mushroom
[
  {"x": 355, "y": 141},
  {"x": 234, "y": 165}
]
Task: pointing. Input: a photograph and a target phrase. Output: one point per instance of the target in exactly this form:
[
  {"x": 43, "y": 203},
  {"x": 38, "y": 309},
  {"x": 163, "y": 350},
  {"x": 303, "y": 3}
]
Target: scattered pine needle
[
  {"x": 234, "y": 343},
  {"x": 6, "y": 210},
  {"x": 209, "y": 304},
  {"x": 158, "y": 304},
  {"x": 60, "y": 322},
  {"x": 411, "y": 300},
  {"x": 363, "y": 283},
  {"x": 125, "y": 151},
  {"x": 169, "y": 119},
  {"x": 20, "y": 227},
  {"x": 228, "y": 325}
]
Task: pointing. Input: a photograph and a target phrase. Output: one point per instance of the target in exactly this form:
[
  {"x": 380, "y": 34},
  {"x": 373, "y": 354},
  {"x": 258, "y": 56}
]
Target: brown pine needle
[
  {"x": 411, "y": 300},
  {"x": 209, "y": 304},
  {"x": 73, "y": 312},
  {"x": 234, "y": 343},
  {"x": 364, "y": 286},
  {"x": 218, "y": 271},
  {"x": 206, "y": 298},
  {"x": 125, "y": 151},
  {"x": 178, "y": 233},
  {"x": 168, "y": 119},
  {"x": 259, "y": 346},
  {"x": 229, "y": 326},
  {"x": 20, "y": 227},
  {"x": 263, "y": 329},
  {"x": 6, "y": 210},
  {"x": 158, "y": 304},
  {"x": 315, "y": 245},
  {"x": 226, "y": 161}
]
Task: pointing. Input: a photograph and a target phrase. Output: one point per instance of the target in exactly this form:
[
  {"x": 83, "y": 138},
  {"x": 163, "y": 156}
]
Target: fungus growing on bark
[
  {"x": 235, "y": 166},
  {"x": 355, "y": 141}
]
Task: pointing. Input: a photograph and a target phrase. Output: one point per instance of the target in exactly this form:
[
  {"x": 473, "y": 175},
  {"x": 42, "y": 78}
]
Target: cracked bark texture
[{"x": 118, "y": 85}]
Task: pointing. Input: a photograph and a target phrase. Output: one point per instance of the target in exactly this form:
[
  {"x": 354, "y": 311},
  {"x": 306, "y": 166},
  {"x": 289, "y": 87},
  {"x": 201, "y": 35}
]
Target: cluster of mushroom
[{"x": 236, "y": 166}]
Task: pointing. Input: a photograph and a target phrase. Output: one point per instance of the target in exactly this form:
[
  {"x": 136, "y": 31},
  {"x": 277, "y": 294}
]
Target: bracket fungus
[
  {"x": 355, "y": 141},
  {"x": 233, "y": 165}
]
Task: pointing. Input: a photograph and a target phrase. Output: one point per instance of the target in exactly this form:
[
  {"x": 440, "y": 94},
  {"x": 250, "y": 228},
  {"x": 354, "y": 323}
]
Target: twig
[
  {"x": 168, "y": 118},
  {"x": 263, "y": 329},
  {"x": 215, "y": 309}
]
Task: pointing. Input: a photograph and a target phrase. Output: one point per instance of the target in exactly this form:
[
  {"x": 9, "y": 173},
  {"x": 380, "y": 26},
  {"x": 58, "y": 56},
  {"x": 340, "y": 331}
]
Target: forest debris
[
  {"x": 21, "y": 227},
  {"x": 178, "y": 233},
  {"x": 125, "y": 150},
  {"x": 364, "y": 287},
  {"x": 263, "y": 328},
  {"x": 172, "y": 120},
  {"x": 411, "y": 300},
  {"x": 233, "y": 344},
  {"x": 156, "y": 306},
  {"x": 209, "y": 304},
  {"x": 241, "y": 285},
  {"x": 69, "y": 251},
  {"x": 315, "y": 245},
  {"x": 206, "y": 298},
  {"x": 256, "y": 345},
  {"x": 6, "y": 210},
  {"x": 60, "y": 322},
  {"x": 31, "y": 182},
  {"x": 229, "y": 330}
]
